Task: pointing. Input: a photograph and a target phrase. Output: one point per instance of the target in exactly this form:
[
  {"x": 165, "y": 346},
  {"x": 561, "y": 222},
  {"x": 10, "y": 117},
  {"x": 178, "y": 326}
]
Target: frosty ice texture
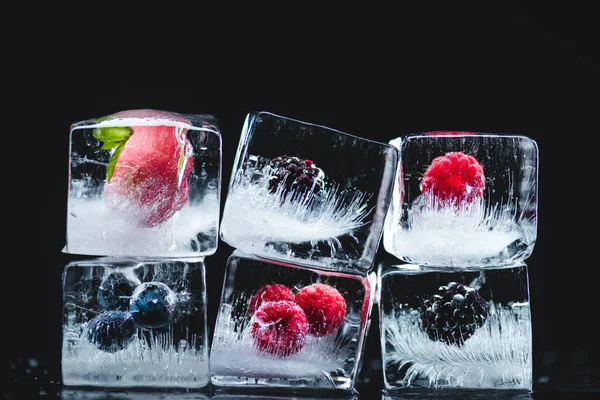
[
  {"x": 475, "y": 335},
  {"x": 131, "y": 323},
  {"x": 499, "y": 227},
  {"x": 307, "y": 194},
  {"x": 328, "y": 361},
  {"x": 144, "y": 183}
]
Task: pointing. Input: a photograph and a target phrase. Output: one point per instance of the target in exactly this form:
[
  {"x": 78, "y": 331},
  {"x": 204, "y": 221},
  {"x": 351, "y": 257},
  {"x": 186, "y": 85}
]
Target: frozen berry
[
  {"x": 279, "y": 328},
  {"x": 324, "y": 306},
  {"x": 111, "y": 330},
  {"x": 454, "y": 177},
  {"x": 453, "y": 315},
  {"x": 147, "y": 175},
  {"x": 272, "y": 292},
  {"x": 295, "y": 175},
  {"x": 152, "y": 305},
  {"x": 114, "y": 291}
]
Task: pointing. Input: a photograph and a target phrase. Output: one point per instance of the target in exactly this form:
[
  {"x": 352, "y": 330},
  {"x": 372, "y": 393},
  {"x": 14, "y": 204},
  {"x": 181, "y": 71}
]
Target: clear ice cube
[
  {"x": 463, "y": 199},
  {"x": 144, "y": 183},
  {"x": 133, "y": 323},
  {"x": 308, "y": 194},
  {"x": 280, "y": 325},
  {"x": 455, "y": 329}
]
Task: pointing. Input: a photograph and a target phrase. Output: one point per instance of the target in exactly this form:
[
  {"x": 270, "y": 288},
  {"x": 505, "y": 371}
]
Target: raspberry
[
  {"x": 296, "y": 175},
  {"x": 279, "y": 328},
  {"x": 324, "y": 306},
  {"x": 454, "y": 177},
  {"x": 453, "y": 315},
  {"x": 272, "y": 292}
]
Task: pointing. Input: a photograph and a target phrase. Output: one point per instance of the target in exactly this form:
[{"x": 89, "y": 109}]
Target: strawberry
[
  {"x": 324, "y": 306},
  {"x": 272, "y": 292},
  {"x": 454, "y": 177},
  {"x": 279, "y": 328},
  {"x": 147, "y": 176}
]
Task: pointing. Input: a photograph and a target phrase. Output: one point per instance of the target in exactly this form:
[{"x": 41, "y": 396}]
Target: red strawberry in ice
[
  {"x": 147, "y": 177},
  {"x": 324, "y": 306},
  {"x": 279, "y": 328},
  {"x": 272, "y": 292},
  {"x": 454, "y": 178}
]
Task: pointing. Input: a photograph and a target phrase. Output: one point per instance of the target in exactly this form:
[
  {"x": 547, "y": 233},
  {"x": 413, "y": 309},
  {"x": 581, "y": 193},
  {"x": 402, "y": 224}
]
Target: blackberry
[
  {"x": 152, "y": 305},
  {"x": 111, "y": 330},
  {"x": 295, "y": 175},
  {"x": 454, "y": 314},
  {"x": 114, "y": 292}
]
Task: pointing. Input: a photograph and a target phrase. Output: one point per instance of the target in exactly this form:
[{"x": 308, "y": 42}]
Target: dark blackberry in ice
[
  {"x": 111, "y": 331},
  {"x": 454, "y": 314},
  {"x": 152, "y": 305},
  {"x": 115, "y": 291},
  {"x": 297, "y": 175}
]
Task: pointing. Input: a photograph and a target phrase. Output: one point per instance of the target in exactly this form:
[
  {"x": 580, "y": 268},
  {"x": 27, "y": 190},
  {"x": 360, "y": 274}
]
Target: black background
[{"x": 375, "y": 71}]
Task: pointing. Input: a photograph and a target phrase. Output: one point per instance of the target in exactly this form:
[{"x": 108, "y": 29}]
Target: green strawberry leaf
[
  {"x": 112, "y": 137},
  {"x": 113, "y": 160}
]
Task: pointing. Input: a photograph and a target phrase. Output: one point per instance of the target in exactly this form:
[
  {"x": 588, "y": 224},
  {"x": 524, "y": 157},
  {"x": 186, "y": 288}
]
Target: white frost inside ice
[
  {"x": 255, "y": 215},
  {"x": 92, "y": 228},
  {"x": 233, "y": 354},
  {"x": 497, "y": 356},
  {"x": 450, "y": 236}
]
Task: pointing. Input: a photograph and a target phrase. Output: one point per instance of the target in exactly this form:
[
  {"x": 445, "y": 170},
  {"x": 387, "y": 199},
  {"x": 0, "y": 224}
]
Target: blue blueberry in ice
[
  {"x": 115, "y": 291},
  {"x": 111, "y": 331},
  {"x": 152, "y": 305}
]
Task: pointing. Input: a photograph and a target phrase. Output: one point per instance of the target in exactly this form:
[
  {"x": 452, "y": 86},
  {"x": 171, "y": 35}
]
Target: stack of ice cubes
[
  {"x": 304, "y": 212},
  {"x": 143, "y": 211},
  {"x": 454, "y": 303}
]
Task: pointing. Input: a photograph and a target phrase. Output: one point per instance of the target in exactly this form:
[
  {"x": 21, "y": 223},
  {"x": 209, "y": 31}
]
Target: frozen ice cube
[
  {"x": 280, "y": 325},
  {"x": 133, "y": 323},
  {"x": 308, "y": 194},
  {"x": 144, "y": 183},
  {"x": 465, "y": 329},
  {"x": 463, "y": 199}
]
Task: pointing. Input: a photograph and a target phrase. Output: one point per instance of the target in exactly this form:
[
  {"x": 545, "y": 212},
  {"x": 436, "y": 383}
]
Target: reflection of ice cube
[
  {"x": 165, "y": 199},
  {"x": 336, "y": 223},
  {"x": 498, "y": 356},
  {"x": 329, "y": 362},
  {"x": 173, "y": 354},
  {"x": 498, "y": 228}
]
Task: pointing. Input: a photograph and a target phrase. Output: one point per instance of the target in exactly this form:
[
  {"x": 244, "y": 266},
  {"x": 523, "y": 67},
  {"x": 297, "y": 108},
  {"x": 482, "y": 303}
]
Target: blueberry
[
  {"x": 152, "y": 305},
  {"x": 114, "y": 292},
  {"x": 111, "y": 330}
]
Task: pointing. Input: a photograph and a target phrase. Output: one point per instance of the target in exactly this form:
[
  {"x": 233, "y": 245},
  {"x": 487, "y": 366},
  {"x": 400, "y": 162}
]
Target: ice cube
[
  {"x": 280, "y": 325},
  {"x": 135, "y": 323},
  {"x": 144, "y": 183},
  {"x": 463, "y": 199},
  {"x": 308, "y": 194},
  {"x": 464, "y": 329}
]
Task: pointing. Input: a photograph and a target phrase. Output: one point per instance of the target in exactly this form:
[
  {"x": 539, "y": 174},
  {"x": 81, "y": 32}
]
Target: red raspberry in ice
[
  {"x": 272, "y": 292},
  {"x": 279, "y": 328},
  {"x": 147, "y": 176},
  {"x": 324, "y": 306},
  {"x": 454, "y": 177}
]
